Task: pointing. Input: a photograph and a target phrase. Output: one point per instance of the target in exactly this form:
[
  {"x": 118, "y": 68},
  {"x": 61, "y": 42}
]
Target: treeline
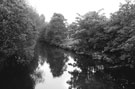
[{"x": 111, "y": 40}]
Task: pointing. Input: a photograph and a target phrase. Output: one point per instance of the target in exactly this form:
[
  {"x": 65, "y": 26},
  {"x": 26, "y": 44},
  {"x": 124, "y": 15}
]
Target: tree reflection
[
  {"x": 123, "y": 76},
  {"x": 91, "y": 75},
  {"x": 55, "y": 57},
  {"x": 57, "y": 60}
]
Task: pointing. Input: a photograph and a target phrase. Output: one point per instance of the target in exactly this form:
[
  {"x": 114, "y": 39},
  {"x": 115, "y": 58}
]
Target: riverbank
[{"x": 67, "y": 47}]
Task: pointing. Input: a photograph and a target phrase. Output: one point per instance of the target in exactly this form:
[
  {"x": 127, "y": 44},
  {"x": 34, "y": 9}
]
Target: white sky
[{"x": 69, "y": 8}]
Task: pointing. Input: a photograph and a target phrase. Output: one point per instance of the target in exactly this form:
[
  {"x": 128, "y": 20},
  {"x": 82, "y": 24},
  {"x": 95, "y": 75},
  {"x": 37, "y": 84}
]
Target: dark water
[{"x": 59, "y": 69}]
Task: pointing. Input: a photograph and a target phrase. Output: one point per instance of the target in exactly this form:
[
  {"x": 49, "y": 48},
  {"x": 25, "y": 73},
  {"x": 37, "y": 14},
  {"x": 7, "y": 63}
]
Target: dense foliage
[
  {"x": 19, "y": 28},
  {"x": 110, "y": 40},
  {"x": 55, "y": 30}
]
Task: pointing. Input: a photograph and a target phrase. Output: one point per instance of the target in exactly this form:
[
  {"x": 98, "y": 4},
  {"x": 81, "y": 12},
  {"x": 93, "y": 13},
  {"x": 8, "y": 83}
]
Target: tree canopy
[{"x": 19, "y": 28}]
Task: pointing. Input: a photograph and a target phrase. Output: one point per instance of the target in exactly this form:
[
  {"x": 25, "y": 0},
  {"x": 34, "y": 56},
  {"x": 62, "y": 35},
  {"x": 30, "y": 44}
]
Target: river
[{"x": 60, "y": 69}]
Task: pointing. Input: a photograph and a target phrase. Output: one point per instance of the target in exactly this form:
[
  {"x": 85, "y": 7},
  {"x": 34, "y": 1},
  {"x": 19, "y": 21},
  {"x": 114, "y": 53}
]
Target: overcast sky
[{"x": 69, "y": 8}]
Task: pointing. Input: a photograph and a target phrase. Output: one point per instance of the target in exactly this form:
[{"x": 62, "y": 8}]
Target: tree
[
  {"x": 18, "y": 28},
  {"x": 56, "y": 29},
  {"x": 120, "y": 31},
  {"x": 90, "y": 32}
]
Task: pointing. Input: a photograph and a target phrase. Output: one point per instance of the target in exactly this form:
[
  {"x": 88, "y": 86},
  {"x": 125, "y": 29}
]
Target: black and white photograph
[{"x": 67, "y": 44}]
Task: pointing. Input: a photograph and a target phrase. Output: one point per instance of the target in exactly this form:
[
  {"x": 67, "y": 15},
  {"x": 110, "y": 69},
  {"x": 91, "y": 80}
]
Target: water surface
[{"x": 55, "y": 68}]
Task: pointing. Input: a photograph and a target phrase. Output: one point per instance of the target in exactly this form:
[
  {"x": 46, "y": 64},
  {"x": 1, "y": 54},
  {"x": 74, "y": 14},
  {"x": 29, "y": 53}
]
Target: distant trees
[{"x": 55, "y": 29}]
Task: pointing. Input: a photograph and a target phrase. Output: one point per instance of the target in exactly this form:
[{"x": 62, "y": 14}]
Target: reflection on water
[
  {"x": 55, "y": 66},
  {"x": 60, "y": 69},
  {"x": 57, "y": 82},
  {"x": 66, "y": 70}
]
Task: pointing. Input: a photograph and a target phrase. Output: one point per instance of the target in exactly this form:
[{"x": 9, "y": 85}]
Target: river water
[{"x": 56, "y": 68}]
